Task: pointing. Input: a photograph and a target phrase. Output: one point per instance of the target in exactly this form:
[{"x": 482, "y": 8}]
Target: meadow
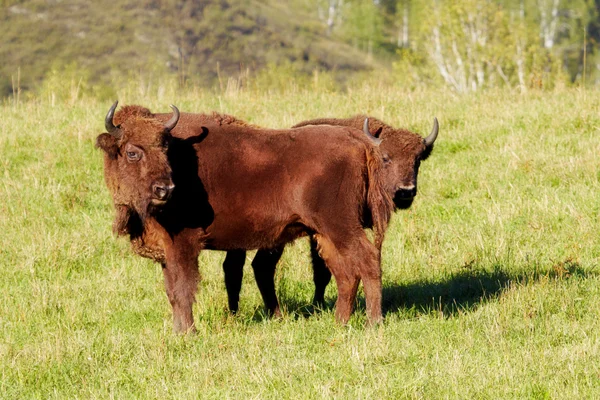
[{"x": 491, "y": 280}]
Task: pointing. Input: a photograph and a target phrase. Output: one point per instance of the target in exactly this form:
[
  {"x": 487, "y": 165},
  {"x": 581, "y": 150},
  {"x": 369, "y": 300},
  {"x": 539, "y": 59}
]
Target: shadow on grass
[{"x": 458, "y": 293}]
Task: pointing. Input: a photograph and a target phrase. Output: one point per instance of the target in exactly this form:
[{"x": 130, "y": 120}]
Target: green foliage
[
  {"x": 412, "y": 70},
  {"x": 472, "y": 44},
  {"x": 196, "y": 42},
  {"x": 363, "y": 25},
  {"x": 286, "y": 77},
  {"x": 465, "y": 45}
]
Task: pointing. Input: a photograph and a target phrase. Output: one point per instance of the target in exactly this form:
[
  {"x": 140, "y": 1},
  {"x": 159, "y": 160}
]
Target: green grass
[{"x": 491, "y": 280}]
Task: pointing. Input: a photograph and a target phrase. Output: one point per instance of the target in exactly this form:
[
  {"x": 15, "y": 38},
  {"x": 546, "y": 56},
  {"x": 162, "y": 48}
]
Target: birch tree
[
  {"x": 329, "y": 11},
  {"x": 403, "y": 7},
  {"x": 549, "y": 19},
  {"x": 461, "y": 41}
]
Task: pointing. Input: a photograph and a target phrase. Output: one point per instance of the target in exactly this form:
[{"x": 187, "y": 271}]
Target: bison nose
[
  {"x": 162, "y": 190},
  {"x": 407, "y": 192}
]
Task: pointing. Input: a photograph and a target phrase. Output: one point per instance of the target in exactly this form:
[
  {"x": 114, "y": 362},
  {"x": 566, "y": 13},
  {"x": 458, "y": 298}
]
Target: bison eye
[
  {"x": 386, "y": 159},
  {"x": 133, "y": 155}
]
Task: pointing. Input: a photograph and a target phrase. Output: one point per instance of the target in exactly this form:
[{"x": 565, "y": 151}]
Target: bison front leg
[
  {"x": 181, "y": 282},
  {"x": 369, "y": 265}
]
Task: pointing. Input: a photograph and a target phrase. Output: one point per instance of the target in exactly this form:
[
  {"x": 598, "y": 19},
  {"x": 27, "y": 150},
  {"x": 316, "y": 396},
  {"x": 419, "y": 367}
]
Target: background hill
[
  {"x": 194, "y": 40},
  {"x": 463, "y": 45}
]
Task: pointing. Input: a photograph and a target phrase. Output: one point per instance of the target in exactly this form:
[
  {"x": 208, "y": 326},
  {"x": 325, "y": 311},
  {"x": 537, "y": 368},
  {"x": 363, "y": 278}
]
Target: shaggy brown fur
[
  {"x": 403, "y": 152},
  {"x": 378, "y": 219},
  {"x": 130, "y": 184},
  {"x": 239, "y": 187},
  {"x": 186, "y": 120}
]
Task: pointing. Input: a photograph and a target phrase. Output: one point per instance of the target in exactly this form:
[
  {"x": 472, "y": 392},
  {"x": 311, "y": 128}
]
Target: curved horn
[
  {"x": 375, "y": 140},
  {"x": 108, "y": 121},
  {"x": 170, "y": 124},
  {"x": 429, "y": 140}
]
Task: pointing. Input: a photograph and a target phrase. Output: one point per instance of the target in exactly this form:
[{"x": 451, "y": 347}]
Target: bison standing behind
[
  {"x": 181, "y": 188},
  {"x": 402, "y": 151}
]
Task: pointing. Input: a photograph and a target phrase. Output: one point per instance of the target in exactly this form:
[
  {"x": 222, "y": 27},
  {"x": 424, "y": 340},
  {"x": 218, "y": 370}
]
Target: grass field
[{"x": 491, "y": 279}]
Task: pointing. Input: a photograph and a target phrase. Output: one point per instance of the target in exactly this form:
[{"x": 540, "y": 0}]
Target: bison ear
[
  {"x": 425, "y": 154},
  {"x": 108, "y": 143},
  {"x": 378, "y": 132}
]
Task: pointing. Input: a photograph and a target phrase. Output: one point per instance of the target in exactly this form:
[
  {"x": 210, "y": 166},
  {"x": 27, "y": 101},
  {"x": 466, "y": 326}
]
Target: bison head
[
  {"x": 136, "y": 169},
  {"x": 403, "y": 152}
]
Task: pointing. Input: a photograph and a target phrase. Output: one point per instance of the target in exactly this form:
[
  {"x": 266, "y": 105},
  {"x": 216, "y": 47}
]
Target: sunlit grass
[{"x": 491, "y": 286}]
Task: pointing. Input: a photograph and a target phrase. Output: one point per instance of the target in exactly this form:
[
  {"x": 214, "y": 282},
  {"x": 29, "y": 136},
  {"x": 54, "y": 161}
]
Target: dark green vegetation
[
  {"x": 491, "y": 279},
  {"x": 198, "y": 41},
  {"x": 464, "y": 45}
]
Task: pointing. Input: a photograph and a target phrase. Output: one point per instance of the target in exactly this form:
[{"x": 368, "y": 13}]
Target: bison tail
[{"x": 378, "y": 199}]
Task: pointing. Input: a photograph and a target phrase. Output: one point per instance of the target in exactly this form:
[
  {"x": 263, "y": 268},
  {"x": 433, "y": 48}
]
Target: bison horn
[
  {"x": 429, "y": 140},
  {"x": 375, "y": 140},
  {"x": 108, "y": 122},
  {"x": 174, "y": 119}
]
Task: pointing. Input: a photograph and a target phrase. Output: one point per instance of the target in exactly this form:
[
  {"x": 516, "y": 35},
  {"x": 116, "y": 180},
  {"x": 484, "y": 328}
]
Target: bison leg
[
  {"x": 369, "y": 266},
  {"x": 233, "y": 267},
  {"x": 321, "y": 275},
  {"x": 181, "y": 282},
  {"x": 346, "y": 275},
  {"x": 264, "y": 264}
]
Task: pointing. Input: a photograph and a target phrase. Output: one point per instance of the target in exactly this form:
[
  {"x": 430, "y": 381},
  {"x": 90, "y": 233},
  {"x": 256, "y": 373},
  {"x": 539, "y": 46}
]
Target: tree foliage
[{"x": 473, "y": 44}]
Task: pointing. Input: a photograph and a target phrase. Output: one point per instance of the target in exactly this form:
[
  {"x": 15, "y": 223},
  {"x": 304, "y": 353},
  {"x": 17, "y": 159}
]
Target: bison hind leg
[
  {"x": 321, "y": 275},
  {"x": 233, "y": 269},
  {"x": 350, "y": 260},
  {"x": 264, "y": 265}
]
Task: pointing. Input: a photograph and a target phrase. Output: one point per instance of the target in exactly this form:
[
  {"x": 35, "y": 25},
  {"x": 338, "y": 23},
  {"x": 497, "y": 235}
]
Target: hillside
[{"x": 191, "y": 39}]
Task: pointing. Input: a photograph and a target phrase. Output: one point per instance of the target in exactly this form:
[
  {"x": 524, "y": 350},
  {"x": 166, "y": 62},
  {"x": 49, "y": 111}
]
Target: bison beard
[
  {"x": 402, "y": 203},
  {"x": 238, "y": 187}
]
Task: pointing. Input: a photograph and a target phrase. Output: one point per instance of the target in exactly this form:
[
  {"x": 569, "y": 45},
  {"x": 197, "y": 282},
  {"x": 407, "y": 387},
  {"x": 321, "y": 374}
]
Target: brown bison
[
  {"x": 403, "y": 152},
  {"x": 179, "y": 188}
]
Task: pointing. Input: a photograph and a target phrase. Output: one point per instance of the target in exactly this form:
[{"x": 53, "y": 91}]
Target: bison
[
  {"x": 403, "y": 152},
  {"x": 179, "y": 188}
]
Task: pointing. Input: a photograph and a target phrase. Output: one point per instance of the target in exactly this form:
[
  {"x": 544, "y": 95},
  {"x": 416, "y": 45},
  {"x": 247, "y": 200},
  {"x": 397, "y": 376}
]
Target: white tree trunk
[
  {"x": 334, "y": 6},
  {"x": 405, "y": 24},
  {"x": 440, "y": 62},
  {"x": 403, "y": 32},
  {"x": 521, "y": 67},
  {"x": 548, "y": 23},
  {"x": 461, "y": 57}
]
